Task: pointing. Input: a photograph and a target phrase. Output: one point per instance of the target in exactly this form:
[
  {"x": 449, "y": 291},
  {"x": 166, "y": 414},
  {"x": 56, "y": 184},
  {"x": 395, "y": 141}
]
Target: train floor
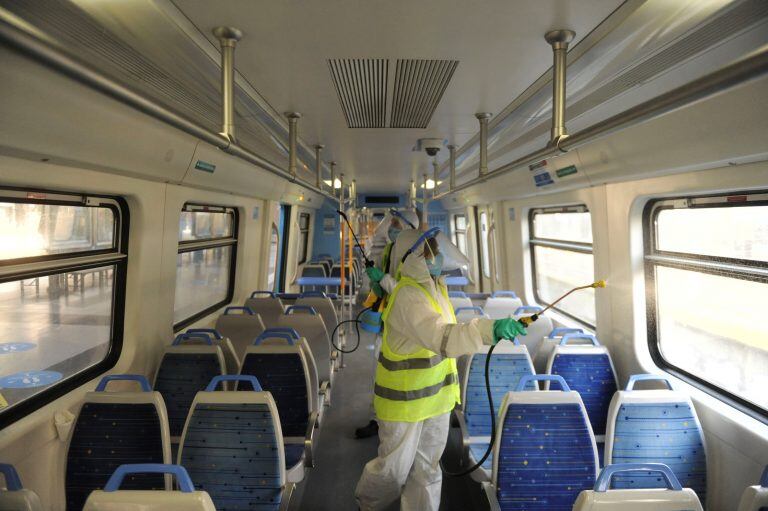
[{"x": 340, "y": 458}]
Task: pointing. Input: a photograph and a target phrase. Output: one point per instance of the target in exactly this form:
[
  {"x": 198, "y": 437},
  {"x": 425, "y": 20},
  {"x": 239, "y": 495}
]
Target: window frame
[
  {"x": 456, "y": 231},
  {"x": 13, "y": 270},
  {"x": 733, "y": 268},
  {"x": 570, "y": 246},
  {"x": 186, "y": 246}
]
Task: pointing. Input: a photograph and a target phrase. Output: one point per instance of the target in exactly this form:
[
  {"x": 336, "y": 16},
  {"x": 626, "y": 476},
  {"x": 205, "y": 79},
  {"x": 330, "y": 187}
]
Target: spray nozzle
[{"x": 599, "y": 283}]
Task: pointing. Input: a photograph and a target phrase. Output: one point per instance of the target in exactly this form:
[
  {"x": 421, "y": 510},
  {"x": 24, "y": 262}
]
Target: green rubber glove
[
  {"x": 374, "y": 274},
  {"x": 507, "y": 329},
  {"x": 377, "y": 289}
]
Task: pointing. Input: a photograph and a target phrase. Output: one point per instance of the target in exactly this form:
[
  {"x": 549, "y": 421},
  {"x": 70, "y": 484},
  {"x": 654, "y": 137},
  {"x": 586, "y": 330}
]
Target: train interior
[{"x": 190, "y": 192}]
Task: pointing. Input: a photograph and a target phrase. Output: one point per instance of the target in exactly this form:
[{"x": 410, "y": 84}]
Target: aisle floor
[{"x": 340, "y": 458}]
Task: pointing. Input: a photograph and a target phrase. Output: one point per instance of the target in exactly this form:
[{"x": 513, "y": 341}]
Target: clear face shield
[{"x": 444, "y": 254}]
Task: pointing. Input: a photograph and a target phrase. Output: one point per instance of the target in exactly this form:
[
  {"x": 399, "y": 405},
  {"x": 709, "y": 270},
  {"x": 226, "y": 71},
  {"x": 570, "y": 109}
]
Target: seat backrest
[
  {"x": 183, "y": 371},
  {"x": 241, "y": 325},
  {"x": 656, "y": 426},
  {"x": 459, "y": 302},
  {"x": 267, "y": 305},
  {"x": 114, "y": 428},
  {"x": 545, "y": 453},
  {"x": 112, "y": 498},
  {"x": 283, "y": 371},
  {"x": 464, "y": 314},
  {"x": 200, "y": 336},
  {"x": 552, "y": 339},
  {"x": 755, "y": 498},
  {"x": 232, "y": 446},
  {"x": 672, "y": 497},
  {"x": 502, "y": 304},
  {"x": 15, "y": 497},
  {"x": 509, "y": 362},
  {"x": 310, "y": 325},
  {"x": 324, "y": 306},
  {"x": 587, "y": 369},
  {"x": 536, "y": 330}
]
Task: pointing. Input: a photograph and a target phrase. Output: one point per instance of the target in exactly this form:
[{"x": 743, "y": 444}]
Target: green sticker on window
[
  {"x": 205, "y": 166},
  {"x": 566, "y": 171}
]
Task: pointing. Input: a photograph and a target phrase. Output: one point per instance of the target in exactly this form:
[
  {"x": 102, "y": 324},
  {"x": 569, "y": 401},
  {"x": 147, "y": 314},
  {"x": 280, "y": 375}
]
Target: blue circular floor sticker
[
  {"x": 13, "y": 347},
  {"x": 29, "y": 379}
]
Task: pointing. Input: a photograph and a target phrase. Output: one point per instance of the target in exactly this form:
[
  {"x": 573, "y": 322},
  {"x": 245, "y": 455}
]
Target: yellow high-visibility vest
[{"x": 417, "y": 386}]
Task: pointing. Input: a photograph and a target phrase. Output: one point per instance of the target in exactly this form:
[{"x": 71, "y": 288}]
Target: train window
[
  {"x": 484, "y": 244},
  {"x": 303, "y": 237},
  {"x": 274, "y": 244},
  {"x": 62, "y": 290},
  {"x": 561, "y": 251},
  {"x": 205, "y": 265},
  {"x": 707, "y": 269},
  {"x": 460, "y": 232}
]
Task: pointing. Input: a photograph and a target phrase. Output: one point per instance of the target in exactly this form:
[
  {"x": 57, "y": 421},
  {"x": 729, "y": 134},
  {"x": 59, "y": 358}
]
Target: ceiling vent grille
[
  {"x": 419, "y": 86},
  {"x": 361, "y": 85}
]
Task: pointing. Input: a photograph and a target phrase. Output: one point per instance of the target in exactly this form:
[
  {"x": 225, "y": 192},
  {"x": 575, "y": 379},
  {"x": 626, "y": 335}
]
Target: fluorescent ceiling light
[
  {"x": 431, "y": 184},
  {"x": 336, "y": 183}
]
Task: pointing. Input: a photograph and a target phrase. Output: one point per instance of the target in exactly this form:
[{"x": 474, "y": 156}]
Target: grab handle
[
  {"x": 233, "y": 377},
  {"x": 271, "y": 294},
  {"x": 457, "y": 294},
  {"x": 528, "y": 309},
  {"x": 187, "y": 336},
  {"x": 275, "y": 335},
  {"x": 477, "y": 309},
  {"x": 182, "y": 477},
  {"x": 503, "y": 294},
  {"x": 215, "y": 333},
  {"x": 244, "y": 310},
  {"x": 588, "y": 337},
  {"x": 12, "y": 479},
  {"x": 305, "y": 308},
  {"x": 604, "y": 479},
  {"x": 138, "y": 378},
  {"x": 282, "y": 330},
  {"x": 560, "y": 331},
  {"x": 528, "y": 378},
  {"x": 647, "y": 377}
]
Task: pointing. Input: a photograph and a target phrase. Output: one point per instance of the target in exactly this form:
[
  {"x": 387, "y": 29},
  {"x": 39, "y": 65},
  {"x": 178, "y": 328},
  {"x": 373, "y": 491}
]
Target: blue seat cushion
[
  {"x": 231, "y": 451},
  {"x": 591, "y": 375},
  {"x": 108, "y": 435},
  {"x": 283, "y": 376},
  {"x": 293, "y": 454},
  {"x": 180, "y": 377},
  {"x": 505, "y": 371},
  {"x": 546, "y": 457},
  {"x": 663, "y": 433}
]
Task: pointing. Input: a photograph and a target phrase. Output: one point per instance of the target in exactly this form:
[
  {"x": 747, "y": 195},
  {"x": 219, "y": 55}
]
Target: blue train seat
[
  {"x": 541, "y": 357},
  {"x": 113, "y": 429},
  {"x": 656, "y": 426},
  {"x": 15, "y": 497},
  {"x": 323, "y": 304},
  {"x": 537, "y": 330},
  {"x": 755, "y": 498},
  {"x": 310, "y": 325},
  {"x": 201, "y": 336},
  {"x": 183, "y": 371},
  {"x": 510, "y": 362},
  {"x": 284, "y": 371},
  {"x": 267, "y": 305},
  {"x": 233, "y": 447},
  {"x": 241, "y": 325},
  {"x": 545, "y": 453},
  {"x": 502, "y": 304},
  {"x": 587, "y": 369},
  {"x": 671, "y": 497},
  {"x": 112, "y": 498}
]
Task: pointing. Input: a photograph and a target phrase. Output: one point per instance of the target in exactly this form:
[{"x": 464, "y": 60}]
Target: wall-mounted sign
[
  {"x": 543, "y": 179},
  {"x": 205, "y": 166},
  {"x": 536, "y": 166},
  {"x": 329, "y": 224},
  {"x": 566, "y": 171}
]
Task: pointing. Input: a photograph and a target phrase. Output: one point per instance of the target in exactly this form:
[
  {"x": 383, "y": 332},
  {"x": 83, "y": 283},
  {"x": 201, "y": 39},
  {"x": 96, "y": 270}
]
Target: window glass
[
  {"x": 460, "y": 232},
  {"x": 461, "y": 222},
  {"x": 558, "y": 271},
  {"x": 202, "y": 280},
  {"x": 274, "y": 245},
  {"x": 203, "y": 225},
  {"x": 32, "y": 230},
  {"x": 58, "y": 314},
  {"x": 566, "y": 226},
  {"x": 706, "y": 265},
  {"x": 484, "y": 244},
  {"x": 735, "y": 232},
  {"x": 561, "y": 246}
]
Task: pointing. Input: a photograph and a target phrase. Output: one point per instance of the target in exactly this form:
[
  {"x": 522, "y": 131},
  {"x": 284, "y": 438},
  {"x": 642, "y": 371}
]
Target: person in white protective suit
[{"x": 416, "y": 383}]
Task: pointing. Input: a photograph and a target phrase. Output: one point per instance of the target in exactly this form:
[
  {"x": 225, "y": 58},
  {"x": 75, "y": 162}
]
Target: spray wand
[
  {"x": 530, "y": 319},
  {"x": 368, "y": 262}
]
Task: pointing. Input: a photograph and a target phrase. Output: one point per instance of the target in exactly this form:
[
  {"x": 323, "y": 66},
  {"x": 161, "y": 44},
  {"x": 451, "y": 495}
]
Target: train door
[
  {"x": 283, "y": 234},
  {"x": 483, "y": 223}
]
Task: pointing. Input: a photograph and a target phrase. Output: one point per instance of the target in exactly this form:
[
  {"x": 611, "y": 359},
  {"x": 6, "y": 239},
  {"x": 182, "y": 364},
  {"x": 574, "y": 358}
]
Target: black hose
[
  {"x": 357, "y": 322},
  {"x": 493, "y": 422}
]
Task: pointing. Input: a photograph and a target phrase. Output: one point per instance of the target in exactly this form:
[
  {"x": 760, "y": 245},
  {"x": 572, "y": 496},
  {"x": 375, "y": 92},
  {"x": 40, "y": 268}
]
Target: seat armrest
[
  {"x": 285, "y": 501},
  {"x": 309, "y": 440},
  {"x": 490, "y": 494}
]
